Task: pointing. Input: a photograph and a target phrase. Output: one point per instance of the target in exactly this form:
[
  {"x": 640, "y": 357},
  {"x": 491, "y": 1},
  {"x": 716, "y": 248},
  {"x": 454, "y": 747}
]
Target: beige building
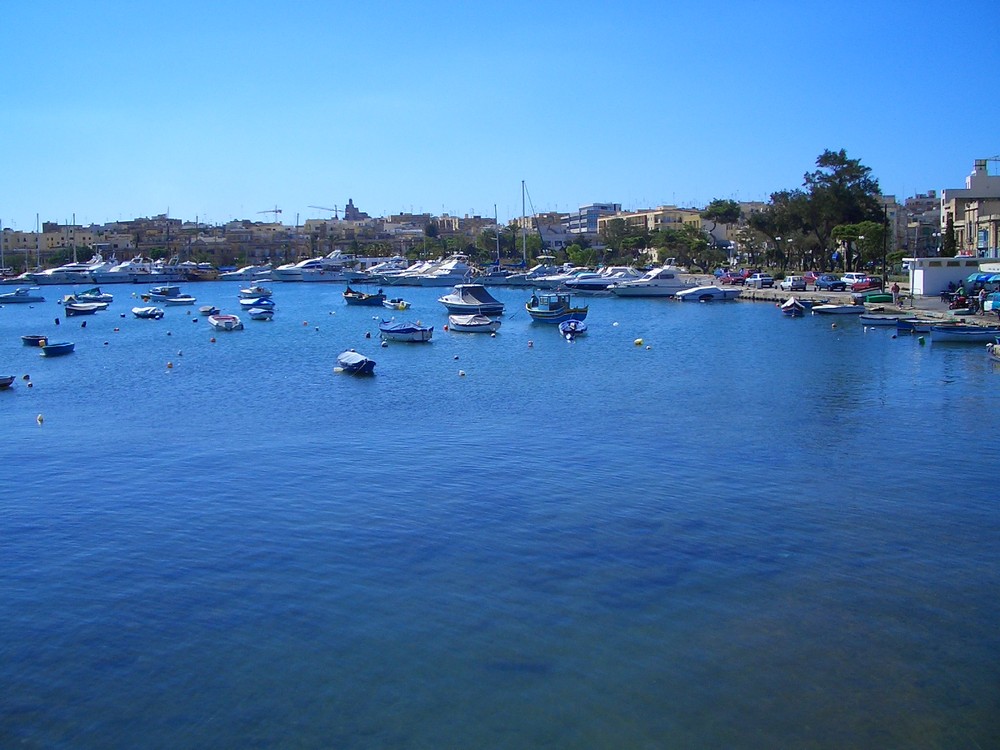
[
  {"x": 664, "y": 217},
  {"x": 974, "y": 212}
]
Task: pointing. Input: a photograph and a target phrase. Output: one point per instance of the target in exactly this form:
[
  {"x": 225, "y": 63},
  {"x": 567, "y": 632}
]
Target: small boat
[
  {"x": 261, "y": 313},
  {"x": 33, "y": 339},
  {"x": 180, "y": 299},
  {"x": 962, "y": 332},
  {"x": 57, "y": 348},
  {"x": 225, "y": 322},
  {"x": 471, "y": 299},
  {"x": 255, "y": 291},
  {"x": 573, "y": 328},
  {"x": 208, "y": 310},
  {"x": 708, "y": 294},
  {"x": 473, "y": 323},
  {"x": 21, "y": 294},
  {"x": 914, "y": 325},
  {"x": 355, "y": 364},
  {"x": 6, "y": 381},
  {"x": 163, "y": 292},
  {"x": 247, "y": 302},
  {"x": 396, "y": 303},
  {"x": 392, "y": 331},
  {"x": 993, "y": 350},
  {"x": 874, "y": 319},
  {"x": 835, "y": 309},
  {"x": 94, "y": 294},
  {"x": 84, "y": 308},
  {"x": 792, "y": 308},
  {"x": 553, "y": 307},
  {"x": 149, "y": 312},
  {"x": 354, "y": 297}
]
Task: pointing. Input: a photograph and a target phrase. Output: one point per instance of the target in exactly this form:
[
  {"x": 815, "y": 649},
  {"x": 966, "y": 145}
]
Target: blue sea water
[{"x": 746, "y": 532}]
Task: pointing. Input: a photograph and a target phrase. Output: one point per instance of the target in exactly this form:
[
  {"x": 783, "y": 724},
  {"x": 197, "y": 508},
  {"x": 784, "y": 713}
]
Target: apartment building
[{"x": 974, "y": 212}]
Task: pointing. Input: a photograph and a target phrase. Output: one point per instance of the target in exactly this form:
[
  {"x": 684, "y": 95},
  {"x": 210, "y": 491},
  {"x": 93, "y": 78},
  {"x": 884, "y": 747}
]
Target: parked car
[
  {"x": 810, "y": 277},
  {"x": 760, "y": 281},
  {"x": 793, "y": 283},
  {"x": 732, "y": 278},
  {"x": 853, "y": 277},
  {"x": 867, "y": 283},
  {"x": 830, "y": 283}
]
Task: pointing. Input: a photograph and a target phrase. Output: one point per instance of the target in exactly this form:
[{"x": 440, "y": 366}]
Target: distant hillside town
[{"x": 961, "y": 221}]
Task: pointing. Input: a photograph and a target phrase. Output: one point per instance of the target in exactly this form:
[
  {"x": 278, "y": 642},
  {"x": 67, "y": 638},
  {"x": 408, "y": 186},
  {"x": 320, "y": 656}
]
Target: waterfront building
[
  {"x": 974, "y": 212},
  {"x": 585, "y": 219}
]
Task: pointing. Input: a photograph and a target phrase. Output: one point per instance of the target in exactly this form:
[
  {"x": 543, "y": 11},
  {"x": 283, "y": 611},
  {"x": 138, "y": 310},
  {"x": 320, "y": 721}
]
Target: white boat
[
  {"x": 255, "y": 291},
  {"x": 225, "y": 322},
  {"x": 22, "y": 295},
  {"x": 261, "y": 313},
  {"x": 73, "y": 273},
  {"x": 138, "y": 270},
  {"x": 602, "y": 279},
  {"x": 401, "y": 331},
  {"x": 149, "y": 312},
  {"x": 473, "y": 324},
  {"x": 454, "y": 270},
  {"x": 248, "y": 273},
  {"x": 833, "y": 309},
  {"x": 792, "y": 308},
  {"x": 471, "y": 299},
  {"x": 396, "y": 303},
  {"x": 83, "y": 308},
  {"x": 326, "y": 268},
  {"x": 161, "y": 293},
  {"x": 872, "y": 319},
  {"x": 180, "y": 299},
  {"x": 708, "y": 294},
  {"x": 963, "y": 332},
  {"x": 664, "y": 281},
  {"x": 573, "y": 328},
  {"x": 208, "y": 310},
  {"x": 247, "y": 302}
]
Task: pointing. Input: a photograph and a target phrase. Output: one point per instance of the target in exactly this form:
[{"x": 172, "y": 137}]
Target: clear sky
[{"x": 222, "y": 110}]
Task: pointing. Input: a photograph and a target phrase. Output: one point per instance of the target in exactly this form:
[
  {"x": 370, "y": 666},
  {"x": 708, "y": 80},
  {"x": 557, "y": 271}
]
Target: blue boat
[
  {"x": 56, "y": 349},
  {"x": 572, "y": 328},
  {"x": 392, "y": 331},
  {"x": 354, "y": 297},
  {"x": 553, "y": 307},
  {"x": 354, "y": 363}
]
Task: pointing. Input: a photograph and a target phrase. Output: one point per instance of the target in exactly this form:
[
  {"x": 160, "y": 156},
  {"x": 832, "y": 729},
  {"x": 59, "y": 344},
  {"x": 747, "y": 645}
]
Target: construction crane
[
  {"x": 274, "y": 211},
  {"x": 324, "y": 208}
]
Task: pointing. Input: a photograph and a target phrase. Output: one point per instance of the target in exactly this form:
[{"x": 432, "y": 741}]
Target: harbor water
[{"x": 699, "y": 525}]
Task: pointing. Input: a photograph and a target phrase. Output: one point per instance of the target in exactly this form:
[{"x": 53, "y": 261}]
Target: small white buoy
[
  {"x": 648, "y": 347},
  {"x": 833, "y": 325},
  {"x": 531, "y": 344},
  {"x": 385, "y": 344},
  {"x": 615, "y": 323},
  {"x": 170, "y": 365},
  {"x": 456, "y": 356},
  {"x": 493, "y": 335},
  {"x": 461, "y": 373},
  {"x": 637, "y": 342},
  {"x": 39, "y": 419}
]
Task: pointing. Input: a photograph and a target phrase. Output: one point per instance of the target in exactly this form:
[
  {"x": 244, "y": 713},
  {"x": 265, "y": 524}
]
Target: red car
[
  {"x": 732, "y": 278},
  {"x": 810, "y": 277},
  {"x": 871, "y": 282}
]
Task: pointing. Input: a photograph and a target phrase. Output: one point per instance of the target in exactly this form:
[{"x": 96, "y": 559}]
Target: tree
[
  {"x": 841, "y": 191},
  {"x": 949, "y": 245},
  {"x": 722, "y": 211},
  {"x": 614, "y": 232}
]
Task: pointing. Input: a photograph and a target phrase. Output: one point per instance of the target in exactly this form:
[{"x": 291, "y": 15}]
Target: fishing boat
[
  {"x": 471, "y": 299},
  {"x": 963, "y": 332},
  {"x": 255, "y": 291},
  {"x": 354, "y": 297},
  {"x": 180, "y": 299},
  {"x": 835, "y": 309},
  {"x": 708, "y": 293},
  {"x": 162, "y": 292},
  {"x": 874, "y": 319},
  {"x": 355, "y": 364},
  {"x": 57, "y": 348},
  {"x": 149, "y": 312},
  {"x": 473, "y": 324},
  {"x": 553, "y": 307},
  {"x": 21, "y": 295},
  {"x": 573, "y": 328},
  {"x": 33, "y": 339},
  {"x": 208, "y": 310},
  {"x": 792, "y": 308},
  {"x": 914, "y": 325},
  {"x": 396, "y": 303},
  {"x": 225, "y": 322},
  {"x": 261, "y": 313},
  {"x": 6, "y": 381},
  {"x": 401, "y": 331},
  {"x": 84, "y": 308}
]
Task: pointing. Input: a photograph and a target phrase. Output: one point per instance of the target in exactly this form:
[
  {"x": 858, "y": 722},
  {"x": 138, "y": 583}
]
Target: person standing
[
  {"x": 895, "y": 292},
  {"x": 982, "y": 301}
]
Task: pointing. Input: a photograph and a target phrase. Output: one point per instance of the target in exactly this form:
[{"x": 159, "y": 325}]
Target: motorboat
[
  {"x": 354, "y": 297},
  {"x": 453, "y": 270},
  {"x": 6, "y": 381},
  {"x": 248, "y": 273},
  {"x": 247, "y": 302},
  {"x": 180, "y": 299},
  {"x": 664, "y": 281},
  {"x": 354, "y": 363},
  {"x": 150, "y": 312},
  {"x": 914, "y": 325},
  {"x": 208, "y": 310},
  {"x": 255, "y": 290},
  {"x": 536, "y": 272},
  {"x": 396, "y": 303},
  {"x": 573, "y": 328},
  {"x": 708, "y": 294},
  {"x": 835, "y": 309},
  {"x": 553, "y": 307},
  {"x": 326, "y": 268},
  {"x": 225, "y": 322},
  {"x": 567, "y": 272},
  {"x": 72, "y": 273},
  {"x": 84, "y": 308},
  {"x": 21, "y": 295},
  {"x": 261, "y": 313},
  {"x": 471, "y": 299},
  {"x": 963, "y": 332},
  {"x": 57, "y": 348},
  {"x": 401, "y": 331},
  {"x": 33, "y": 339},
  {"x": 408, "y": 276},
  {"x": 602, "y": 279},
  {"x": 136, "y": 271},
  {"x": 874, "y": 319},
  {"x": 792, "y": 308},
  {"x": 162, "y": 292},
  {"x": 94, "y": 294},
  {"x": 473, "y": 324}
]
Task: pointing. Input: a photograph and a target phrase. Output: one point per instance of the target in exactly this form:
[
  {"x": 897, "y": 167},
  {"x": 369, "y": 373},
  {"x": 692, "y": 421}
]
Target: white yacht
[
  {"x": 602, "y": 279},
  {"x": 73, "y": 273},
  {"x": 138, "y": 270},
  {"x": 454, "y": 270},
  {"x": 327, "y": 268},
  {"x": 665, "y": 281},
  {"x": 248, "y": 273}
]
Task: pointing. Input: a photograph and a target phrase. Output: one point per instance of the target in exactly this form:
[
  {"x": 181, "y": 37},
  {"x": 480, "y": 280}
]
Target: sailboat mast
[
  {"x": 496, "y": 221},
  {"x": 524, "y": 231}
]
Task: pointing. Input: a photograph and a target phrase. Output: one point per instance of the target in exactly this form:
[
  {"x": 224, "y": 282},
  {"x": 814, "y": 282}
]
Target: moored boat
[
  {"x": 255, "y": 291},
  {"x": 208, "y": 310},
  {"x": 834, "y": 309},
  {"x": 792, "y": 308},
  {"x": 473, "y": 324},
  {"x": 402, "y": 331},
  {"x": 993, "y": 350},
  {"x": 84, "y": 308},
  {"x": 963, "y": 332},
  {"x": 665, "y": 281},
  {"x": 354, "y": 363},
  {"x": 6, "y": 381},
  {"x": 225, "y": 322},
  {"x": 162, "y": 292},
  {"x": 56, "y": 348},
  {"x": 708, "y": 293},
  {"x": 247, "y": 302},
  {"x": 553, "y": 307},
  {"x": 149, "y": 312},
  {"x": 573, "y": 328},
  {"x": 396, "y": 303},
  {"x": 261, "y": 313},
  {"x": 21, "y": 295},
  {"x": 33, "y": 339},
  {"x": 354, "y": 297},
  {"x": 915, "y": 325},
  {"x": 180, "y": 299},
  {"x": 471, "y": 299}
]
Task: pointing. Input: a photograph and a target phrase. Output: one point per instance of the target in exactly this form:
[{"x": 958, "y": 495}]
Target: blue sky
[{"x": 221, "y": 110}]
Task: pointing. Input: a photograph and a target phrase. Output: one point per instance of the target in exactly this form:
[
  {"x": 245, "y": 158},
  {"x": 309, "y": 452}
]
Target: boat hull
[{"x": 57, "y": 349}]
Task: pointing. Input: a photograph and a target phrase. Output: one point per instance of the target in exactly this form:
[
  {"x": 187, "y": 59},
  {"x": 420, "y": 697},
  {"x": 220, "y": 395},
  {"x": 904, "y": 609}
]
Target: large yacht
[
  {"x": 660, "y": 282},
  {"x": 139, "y": 270},
  {"x": 73, "y": 273}
]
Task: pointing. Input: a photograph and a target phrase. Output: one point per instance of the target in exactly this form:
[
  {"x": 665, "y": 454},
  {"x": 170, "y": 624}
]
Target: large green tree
[{"x": 721, "y": 211}]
